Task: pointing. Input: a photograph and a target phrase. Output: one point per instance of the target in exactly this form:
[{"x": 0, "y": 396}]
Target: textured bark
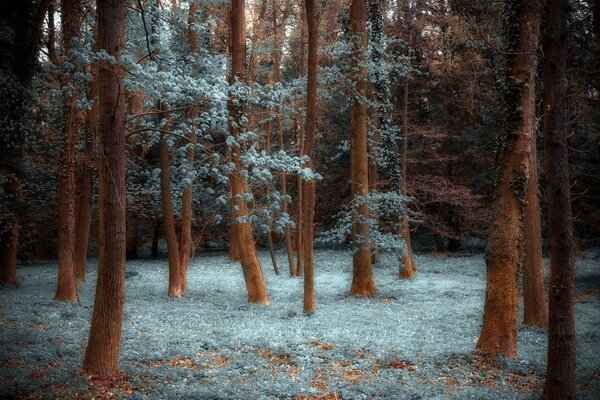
[
  {"x": 363, "y": 283},
  {"x": 534, "y": 297},
  {"x": 408, "y": 268},
  {"x": 503, "y": 252},
  {"x": 169, "y": 220},
  {"x": 560, "y": 372},
  {"x": 9, "y": 242},
  {"x": 101, "y": 356},
  {"x": 84, "y": 214},
  {"x": 21, "y": 22},
  {"x": 301, "y": 133},
  {"x": 66, "y": 288},
  {"x": 84, "y": 205},
  {"x": 242, "y": 229},
  {"x": 309, "y": 186},
  {"x": 277, "y": 26}
]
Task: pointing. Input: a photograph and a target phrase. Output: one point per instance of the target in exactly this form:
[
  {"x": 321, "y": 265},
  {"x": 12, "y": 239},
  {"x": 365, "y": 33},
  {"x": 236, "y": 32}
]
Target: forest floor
[{"x": 414, "y": 340}]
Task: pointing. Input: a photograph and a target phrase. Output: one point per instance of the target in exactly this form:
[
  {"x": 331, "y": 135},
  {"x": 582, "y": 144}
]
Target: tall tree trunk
[
  {"x": 277, "y": 78},
  {"x": 560, "y": 373},
  {"x": 84, "y": 208},
  {"x": 9, "y": 240},
  {"x": 309, "y": 186},
  {"x": 185, "y": 245},
  {"x": 169, "y": 219},
  {"x": 101, "y": 356},
  {"x": 22, "y": 23},
  {"x": 363, "y": 283},
  {"x": 84, "y": 205},
  {"x": 534, "y": 297},
  {"x": 408, "y": 268},
  {"x": 301, "y": 135},
  {"x": 504, "y": 251},
  {"x": 242, "y": 228},
  {"x": 66, "y": 288}
]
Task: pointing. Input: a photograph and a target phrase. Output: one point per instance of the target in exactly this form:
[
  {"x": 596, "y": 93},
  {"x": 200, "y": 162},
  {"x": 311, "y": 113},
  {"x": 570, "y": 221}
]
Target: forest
[{"x": 299, "y": 199}]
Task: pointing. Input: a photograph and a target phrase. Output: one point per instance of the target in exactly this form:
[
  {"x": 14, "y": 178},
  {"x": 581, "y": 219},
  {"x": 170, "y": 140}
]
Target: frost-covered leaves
[{"x": 385, "y": 212}]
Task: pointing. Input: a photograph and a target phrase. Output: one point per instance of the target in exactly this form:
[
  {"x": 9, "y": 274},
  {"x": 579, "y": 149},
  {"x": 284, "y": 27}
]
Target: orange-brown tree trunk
[
  {"x": 168, "y": 219},
  {"x": 309, "y": 186},
  {"x": 84, "y": 213},
  {"x": 534, "y": 297},
  {"x": 504, "y": 249},
  {"x": 278, "y": 25},
  {"x": 408, "y": 268},
  {"x": 102, "y": 353},
  {"x": 66, "y": 288},
  {"x": 299, "y": 184},
  {"x": 84, "y": 204},
  {"x": 9, "y": 240},
  {"x": 241, "y": 226},
  {"x": 560, "y": 371},
  {"x": 363, "y": 283}
]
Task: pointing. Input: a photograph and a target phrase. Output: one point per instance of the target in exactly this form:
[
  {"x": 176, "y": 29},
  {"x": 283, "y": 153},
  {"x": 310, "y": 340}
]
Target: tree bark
[
  {"x": 534, "y": 298},
  {"x": 504, "y": 251},
  {"x": 174, "y": 289},
  {"x": 66, "y": 288},
  {"x": 242, "y": 228},
  {"x": 282, "y": 177},
  {"x": 560, "y": 372},
  {"x": 309, "y": 186},
  {"x": 408, "y": 268},
  {"x": 101, "y": 356},
  {"x": 363, "y": 283}
]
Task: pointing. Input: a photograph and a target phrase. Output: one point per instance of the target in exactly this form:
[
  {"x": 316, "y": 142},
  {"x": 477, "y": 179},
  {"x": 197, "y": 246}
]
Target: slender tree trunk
[
  {"x": 363, "y": 283},
  {"x": 9, "y": 241},
  {"x": 185, "y": 245},
  {"x": 66, "y": 288},
  {"x": 101, "y": 356},
  {"x": 375, "y": 253},
  {"x": 408, "y": 268},
  {"x": 169, "y": 219},
  {"x": 84, "y": 212},
  {"x": 560, "y": 372},
  {"x": 242, "y": 228},
  {"x": 301, "y": 135},
  {"x": 504, "y": 251},
  {"x": 84, "y": 205},
  {"x": 309, "y": 186},
  {"x": 534, "y": 297},
  {"x": 282, "y": 177}
]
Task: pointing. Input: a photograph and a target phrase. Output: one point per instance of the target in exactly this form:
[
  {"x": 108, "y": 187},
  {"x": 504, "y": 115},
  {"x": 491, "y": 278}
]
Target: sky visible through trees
[{"x": 299, "y": 199}]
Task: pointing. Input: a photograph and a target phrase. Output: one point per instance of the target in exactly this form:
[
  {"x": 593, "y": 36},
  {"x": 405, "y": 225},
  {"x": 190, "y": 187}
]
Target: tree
[
  {"x": 21, "y": 23},
  {"x": 308, "y": 187},
  {"x": 241, "y": 228},
  {"x": 101, "y": 356},
  {"x": 66, "y": 288},
  {"x": 504, "y": 249},
  {"x": 560, "y": 372},
  {"x": 185, "y": 243},
  {"x": 363, "y": 283},
  {"x": 408, "y": 268},
  {"x": 278, "y": 27}
]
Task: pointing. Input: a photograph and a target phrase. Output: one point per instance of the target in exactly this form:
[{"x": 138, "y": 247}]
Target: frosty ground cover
[{"x": 415, "y": 339}]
